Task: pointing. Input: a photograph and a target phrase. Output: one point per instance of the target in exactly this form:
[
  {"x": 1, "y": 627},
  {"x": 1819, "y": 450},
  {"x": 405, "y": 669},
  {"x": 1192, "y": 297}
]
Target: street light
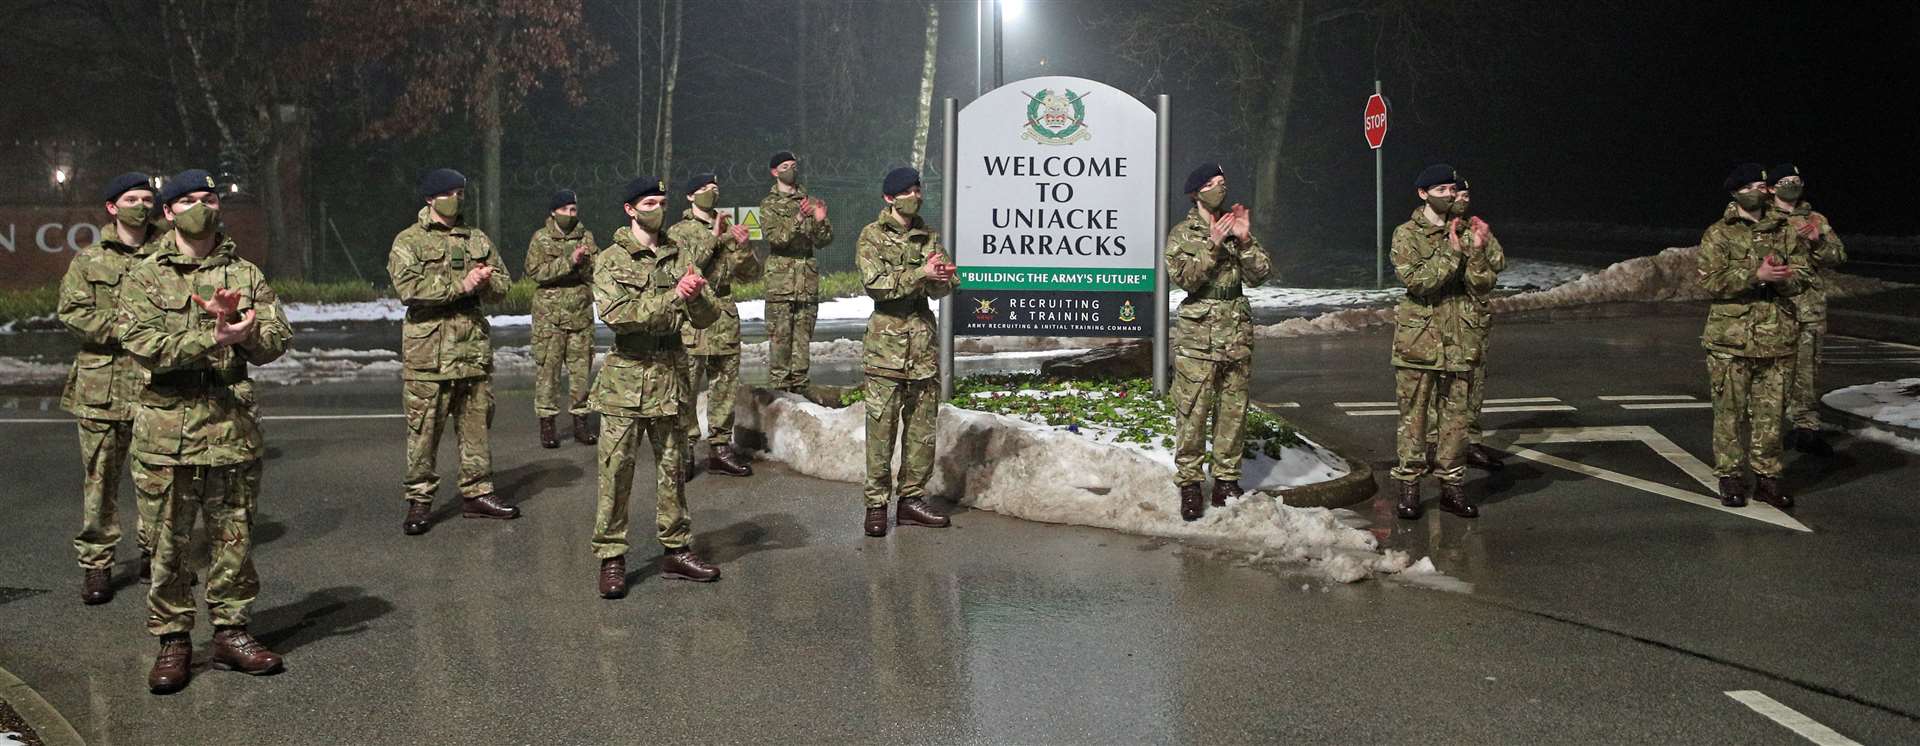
[
  {"x": 1011, "y": 9},
  {"x": 60, "y": 176}
]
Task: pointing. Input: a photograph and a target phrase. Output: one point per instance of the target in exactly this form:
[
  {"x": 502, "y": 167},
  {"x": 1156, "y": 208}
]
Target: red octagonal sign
[{"x": 1376, "y": 121}]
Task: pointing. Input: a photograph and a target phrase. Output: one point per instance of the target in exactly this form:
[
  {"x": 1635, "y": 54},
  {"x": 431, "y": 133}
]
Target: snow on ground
[
  {"x": 1034, "y": 472},
  {"x": 1895, "y": 403},
  {"x": 384, "y": 309}
]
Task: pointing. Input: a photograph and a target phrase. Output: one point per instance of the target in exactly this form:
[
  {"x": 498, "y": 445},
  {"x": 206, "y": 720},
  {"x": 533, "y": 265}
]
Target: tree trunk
[
  {"x": 666, "y": 99},
  {"x": 660, "y": 87},
  {"x": 640, "y": 86},
  {"x": 491, "y": 131},
  {"x": 800, "y": 81},
  {"x": 926, "y": 88},
  {"x": 1273, "y": 125}
]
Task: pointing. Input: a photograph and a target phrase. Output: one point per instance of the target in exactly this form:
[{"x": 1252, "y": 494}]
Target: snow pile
[
  {"x": 1671, "y": 275},
  {"x": 384, "y": 309},
  {"x": 837, "y": 309},
  {"x": 1033, "y": 472},
  {"x": 1895, "y": 403},
  {"x": 324, "y": 365},
  {"x": 15, "y": 370}
]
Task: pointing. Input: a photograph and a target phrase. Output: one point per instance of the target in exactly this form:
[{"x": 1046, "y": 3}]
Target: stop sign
[{"x": 1376, "y": 121}]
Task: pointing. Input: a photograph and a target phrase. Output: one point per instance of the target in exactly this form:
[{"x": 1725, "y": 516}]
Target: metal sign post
[
  {"x": 948, "y": 205},
  {"x": 1160, "y": 198},
  {"x": 1374, "y": 125}
]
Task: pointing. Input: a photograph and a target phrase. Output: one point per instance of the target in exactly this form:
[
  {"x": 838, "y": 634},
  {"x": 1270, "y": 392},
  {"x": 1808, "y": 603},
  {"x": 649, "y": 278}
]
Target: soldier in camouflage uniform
[
  {"x": 1824, "y": 252},
  {"x": 1459, "y": 220},
  {"x": 443, "y": 270},
  {"x": 560, "y": 261},
  {"x": 104, "y": 385},
  {"x": 195, "y": 315},
  {"x": 647, "y": 293},
  {"x": 902, "y": 265},
  {"x": 795, "y": 226},
  {"x": 1439, "y": 340},
  {"x": 1754, "y": 266},
  {"x": 1212, "y": 255},
  {"x": 720, "y": 253}
]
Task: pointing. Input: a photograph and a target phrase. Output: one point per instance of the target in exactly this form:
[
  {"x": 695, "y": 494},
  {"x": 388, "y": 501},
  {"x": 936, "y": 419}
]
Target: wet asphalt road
[{"x": 1598, "y": 613}]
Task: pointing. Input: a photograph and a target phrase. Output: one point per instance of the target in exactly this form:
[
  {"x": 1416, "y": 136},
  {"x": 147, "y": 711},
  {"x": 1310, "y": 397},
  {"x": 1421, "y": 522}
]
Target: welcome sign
[{"x": 1054, "y": 216}]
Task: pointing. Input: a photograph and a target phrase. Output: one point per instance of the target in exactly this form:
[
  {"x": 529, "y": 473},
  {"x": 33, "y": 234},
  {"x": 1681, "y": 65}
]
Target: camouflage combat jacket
[
  {"x": 900, "y": 336},
  {"x": 445, "y": 334},
  {"x": 1749, "y": 318},
  {"x": 792, "y": 272},
  {"x": 564, "y": 299},
  {"x": 1215, "y": 322},
  {"x": 723, "y": 263},
  {"x": 198, "y": 407},
  {"x": 634, "y": 287},
  {"x": 1825, "y": 253},
  {"x": 1441, "y": 324},
  {"x": 105, "y": 381}
]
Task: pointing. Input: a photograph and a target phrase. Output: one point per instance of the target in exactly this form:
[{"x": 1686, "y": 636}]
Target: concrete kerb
[
  {"x": 46, "y": 722},
  {"x": 1855, "y": 421}
]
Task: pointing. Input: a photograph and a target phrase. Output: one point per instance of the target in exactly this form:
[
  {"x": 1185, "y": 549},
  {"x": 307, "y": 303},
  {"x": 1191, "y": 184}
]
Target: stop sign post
[{"x": 1373, "y": 123}]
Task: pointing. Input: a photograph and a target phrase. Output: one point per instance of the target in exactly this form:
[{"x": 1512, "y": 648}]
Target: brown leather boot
[
  {"x": 1767, "y": 490},
  {"x": 613, "y": 577},
  {"x": 1453, "y": 499},
  {"x": 170, "y": 667},
  {"x": 1409, "y": 506},
  {"x": 1733, "y": 492},
  {"x": 547, "y": 437},
  {"x": 724, "y": 460},
  {"x": 914, "y": 511},
  {"x": 1224, "y": 490},
  {"x": 876, "y": 524},
  {"x": 96, "y": 586},
  {"x": 1482, "y": 457},
  {"x": 1192, "y": 503},
  {"x": 417, "y": 521},
  {"x": 146, "y": 568},
  {"x": 487, "y": 506},
  {"x": 235, "y": 650},
  {"x": 683, "y": 564},
  {"x": 586, "y": 429}
]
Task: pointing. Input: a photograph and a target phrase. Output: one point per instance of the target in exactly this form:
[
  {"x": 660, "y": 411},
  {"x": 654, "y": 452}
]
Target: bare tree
[
  {"x": 924, "y": 121},
  {"x": 666, "y": 96}
]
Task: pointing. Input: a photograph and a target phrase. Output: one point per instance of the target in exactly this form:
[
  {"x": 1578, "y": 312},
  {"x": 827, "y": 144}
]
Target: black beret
[
  {"x": 124, "y": 183},
  {"x": 561, "y": 199},
  {"x": 1744, "y": 174},
  {"x": 1198, "y": 178},
  {"x": 779, "y": 158},
  {"x": 699, "y": 180},
  {"x": 1781, "y": 171},
  {"x": 185, "y": 183},
  {"x": 899, "y": 180},
  {"x": 441, "y": 181},
  {"x": 1435, "y": 175},
  {"x": 643, "y": 187}
]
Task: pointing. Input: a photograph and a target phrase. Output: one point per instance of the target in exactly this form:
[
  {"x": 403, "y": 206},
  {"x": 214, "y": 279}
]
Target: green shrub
[{"x": 20, "y": 304}]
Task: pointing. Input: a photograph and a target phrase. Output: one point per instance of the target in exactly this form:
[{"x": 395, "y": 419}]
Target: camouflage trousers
[
  {"x": 1209, "y": 396},
  {"x": 557, "y": 350},
  {"x": 1749, "y": 391},
  {"x": 430, "y": 405},
  {"x": 1803, "y": 408},
  {"x": 719, "y": 376},
  {"x": 103, "y": 451},
  {"x": 789, "y": 343},
  {"x": 225, "y": 495},
  {"x": 892, "y": 403},
  {"x": 1433, "y": 409},
  {"x": 619, "y": 449},
  {"x": 1476, "y": 396}
]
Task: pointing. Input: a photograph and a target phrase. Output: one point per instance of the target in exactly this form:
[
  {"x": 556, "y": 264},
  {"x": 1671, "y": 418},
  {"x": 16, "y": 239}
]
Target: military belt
[
  {"x": 900, "y": 306},
  {"x": 101, "y": 349},
  {"x": 1219, "y": 293},
  {"x": 433, "y": 313},
  {"x": 204, "y": 378},
  {"x": 570, "y": 281},
  {"x": 792, "y": 253},
  {"x": 646, "y": 344}
]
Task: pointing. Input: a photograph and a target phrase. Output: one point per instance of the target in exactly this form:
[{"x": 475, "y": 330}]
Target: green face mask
[
  {"x": 650, "y": 219},
  {"x": 704, "y": 200},
  {"x": 908, "y": 206},
  {"x": 1442, "y": 204},
  {"x": 447, "y": 207},
  {"x": 134, "y": 216},
  {"x": 1213, "y": 197},
  {"x": 788, "y": 177},
  {"x": 1790, "y": 192},
  {"x": 566, "y": 222},
  {"x": 1459, "y": 208},
  {"x": 197, "y": 221},
  {"x": 1750, "y": 200}
]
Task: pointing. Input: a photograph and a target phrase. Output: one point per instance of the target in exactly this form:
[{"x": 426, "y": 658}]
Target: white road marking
[
  {"x": 1671, "y": 405},
  {"x": 1531, "y": 408},
  {"x": 1512, "y": 440},
  {"x": 1648, "y": 397},
  {"x": 279, "y": 417},
  {"x": 1351, "y": 404},
  {"x": 1373, "y": 413},
  {"x": 1533, "y": 400},
  {"x": 1791, "y": 719},
  {"x": 1874, "y": 361}
]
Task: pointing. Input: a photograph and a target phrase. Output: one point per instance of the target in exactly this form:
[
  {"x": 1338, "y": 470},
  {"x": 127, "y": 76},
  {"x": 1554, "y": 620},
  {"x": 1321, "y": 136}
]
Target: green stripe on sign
[{"x": 1055, "y": 278}]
